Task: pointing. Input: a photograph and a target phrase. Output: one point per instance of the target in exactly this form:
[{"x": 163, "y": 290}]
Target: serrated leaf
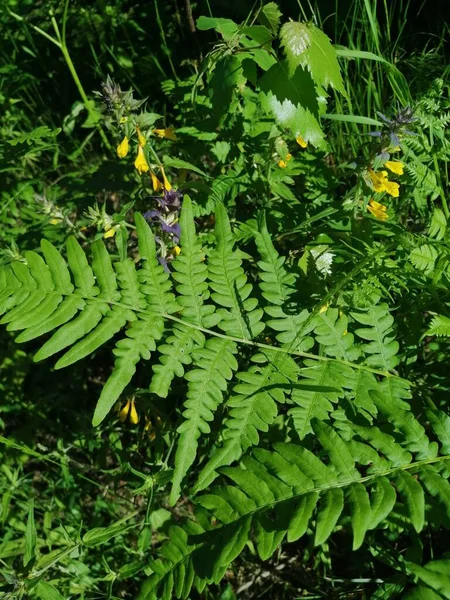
[
  {"x": 307, "y": 46},
  {"x": 295, "y": 38},
  {"x": 270, "y": 16},
  {"x": 293, "y": 102}
]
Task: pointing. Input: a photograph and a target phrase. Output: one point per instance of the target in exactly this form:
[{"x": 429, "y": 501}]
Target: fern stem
[{"x": 283, "y": 350}]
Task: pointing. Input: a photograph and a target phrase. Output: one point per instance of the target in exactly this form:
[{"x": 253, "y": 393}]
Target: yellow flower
[
  {"x": 167, "y": 185},
  {"x": 378, "y": 180},
  {"x": 168, "y": 133},
  {"x": 55, "y": 221},
  {"x": 288, "y": 157},
  {"x": 395, "y": 166},
  {"x": 157, "y": 185},
  {"x": 378, "y": 210},
  {"x": 382, "y": 184},
  {"x": 392, "y": 188},
  {"x": 111, "y": 231},
  {"x": 141, "y": 163},
  {"x": 141, "y": 139},
  {"x": 301, "y": 142},
  {"x": 129, "y": 410},
  {"x": 177, "y": 250},
  {"x": 123, "y": 120},
  {"x": 282, "y": 164},
  {"x": 123, "y": 414},
  {"x": 134, "y": 417},
  {"x": 122, "y": 148},
  {"x": 323, "y": 309}
]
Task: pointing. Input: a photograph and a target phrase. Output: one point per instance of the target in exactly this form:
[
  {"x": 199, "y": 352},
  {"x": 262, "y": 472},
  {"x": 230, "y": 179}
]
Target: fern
[
  {"x": 440, "y": 326},
  {"x": 89, "y": 304},
  {"x": 382, "y": 348},
  {"x": 274, "y": 495}
]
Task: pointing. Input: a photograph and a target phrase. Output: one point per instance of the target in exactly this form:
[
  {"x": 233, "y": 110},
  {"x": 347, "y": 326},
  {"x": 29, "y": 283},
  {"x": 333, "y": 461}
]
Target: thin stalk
[{"x": 163, "y": 38}]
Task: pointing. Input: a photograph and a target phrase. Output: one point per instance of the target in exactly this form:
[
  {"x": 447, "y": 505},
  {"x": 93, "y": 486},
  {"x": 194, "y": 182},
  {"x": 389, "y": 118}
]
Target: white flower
[{"x": 323, "y": 259}]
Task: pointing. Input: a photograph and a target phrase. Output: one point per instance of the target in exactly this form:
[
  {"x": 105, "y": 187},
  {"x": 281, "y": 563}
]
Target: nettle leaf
[
  {"x": 307, "y": 46},
  {"x": 227, "y": 75},
  {"x": 295, "y": 38},
  {"x": 293, "y": 102},
  {"x": 270, "y": 16}
]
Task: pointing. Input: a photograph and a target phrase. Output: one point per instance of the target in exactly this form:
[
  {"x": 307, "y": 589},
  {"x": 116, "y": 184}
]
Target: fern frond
[
  {"x": 240, "y": 317},
  {"x": 440, "y": 326},
  {"x": 321, "y": 387},
  {"x": 277, "y": 286},
  {"x": 330, "y": 329},
  {"x": 274, "y": 495},
  {"x": 424, "y": 258},
  {"x": 382, "y": 348},
  {"x": 253, "y": 408},
  {"x": 207, "y": 383},
  {"x": 190, "y": 273}
]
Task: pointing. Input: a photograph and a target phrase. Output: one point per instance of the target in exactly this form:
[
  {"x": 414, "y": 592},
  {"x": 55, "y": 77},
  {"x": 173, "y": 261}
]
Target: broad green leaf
[
  {"x": 307, "y": 46},
  {"x": 435, "y": 574},
  {"x": 295, "y": 38},
  {"x": 293, "y": 102}
]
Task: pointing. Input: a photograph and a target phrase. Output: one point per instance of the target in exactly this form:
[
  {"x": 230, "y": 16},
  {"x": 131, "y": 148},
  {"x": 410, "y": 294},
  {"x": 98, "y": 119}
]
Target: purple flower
[{"x": 163, "y": 262}]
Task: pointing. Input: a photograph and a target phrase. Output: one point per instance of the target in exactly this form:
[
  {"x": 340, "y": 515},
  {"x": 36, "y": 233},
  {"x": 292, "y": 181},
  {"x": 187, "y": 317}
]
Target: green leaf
[
  {"x": 46, "y": 591},
  {"x": 412, "y": 493},
  {"x": 293, "y": 102},
  {"x": 330, "y": 509},
  {"x": 101, "y": 535},
  {"x": 270, "y": 16},
  {"x": 226, "y": 27},
  {"x": 177, "y": 163},
  {"x": 30, "y": 537},
  {"x": 438, "y": 224},
  {"x": 296, "y": 39},
  {"x": 440, "y": 326},
  {"x": 435, "y": 574},
  {"x": 307, "y": 46},
  {"x": 360, "y": 513},
  {"x": 424, "y": 258}
]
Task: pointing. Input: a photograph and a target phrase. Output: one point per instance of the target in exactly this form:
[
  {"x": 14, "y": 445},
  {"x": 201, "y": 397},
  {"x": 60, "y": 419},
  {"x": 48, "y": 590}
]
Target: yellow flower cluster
[
  {"x": 381, "y": 183},
  {"x": 141, "y": 163},
  {"x": 380, "y": 179}
]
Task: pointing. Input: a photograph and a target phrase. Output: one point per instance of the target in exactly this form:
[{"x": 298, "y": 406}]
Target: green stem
[
  {"x": 82, "y": 93},
  {"x": 163, "y": 38},
  {"x": 65, "y": 52}
]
